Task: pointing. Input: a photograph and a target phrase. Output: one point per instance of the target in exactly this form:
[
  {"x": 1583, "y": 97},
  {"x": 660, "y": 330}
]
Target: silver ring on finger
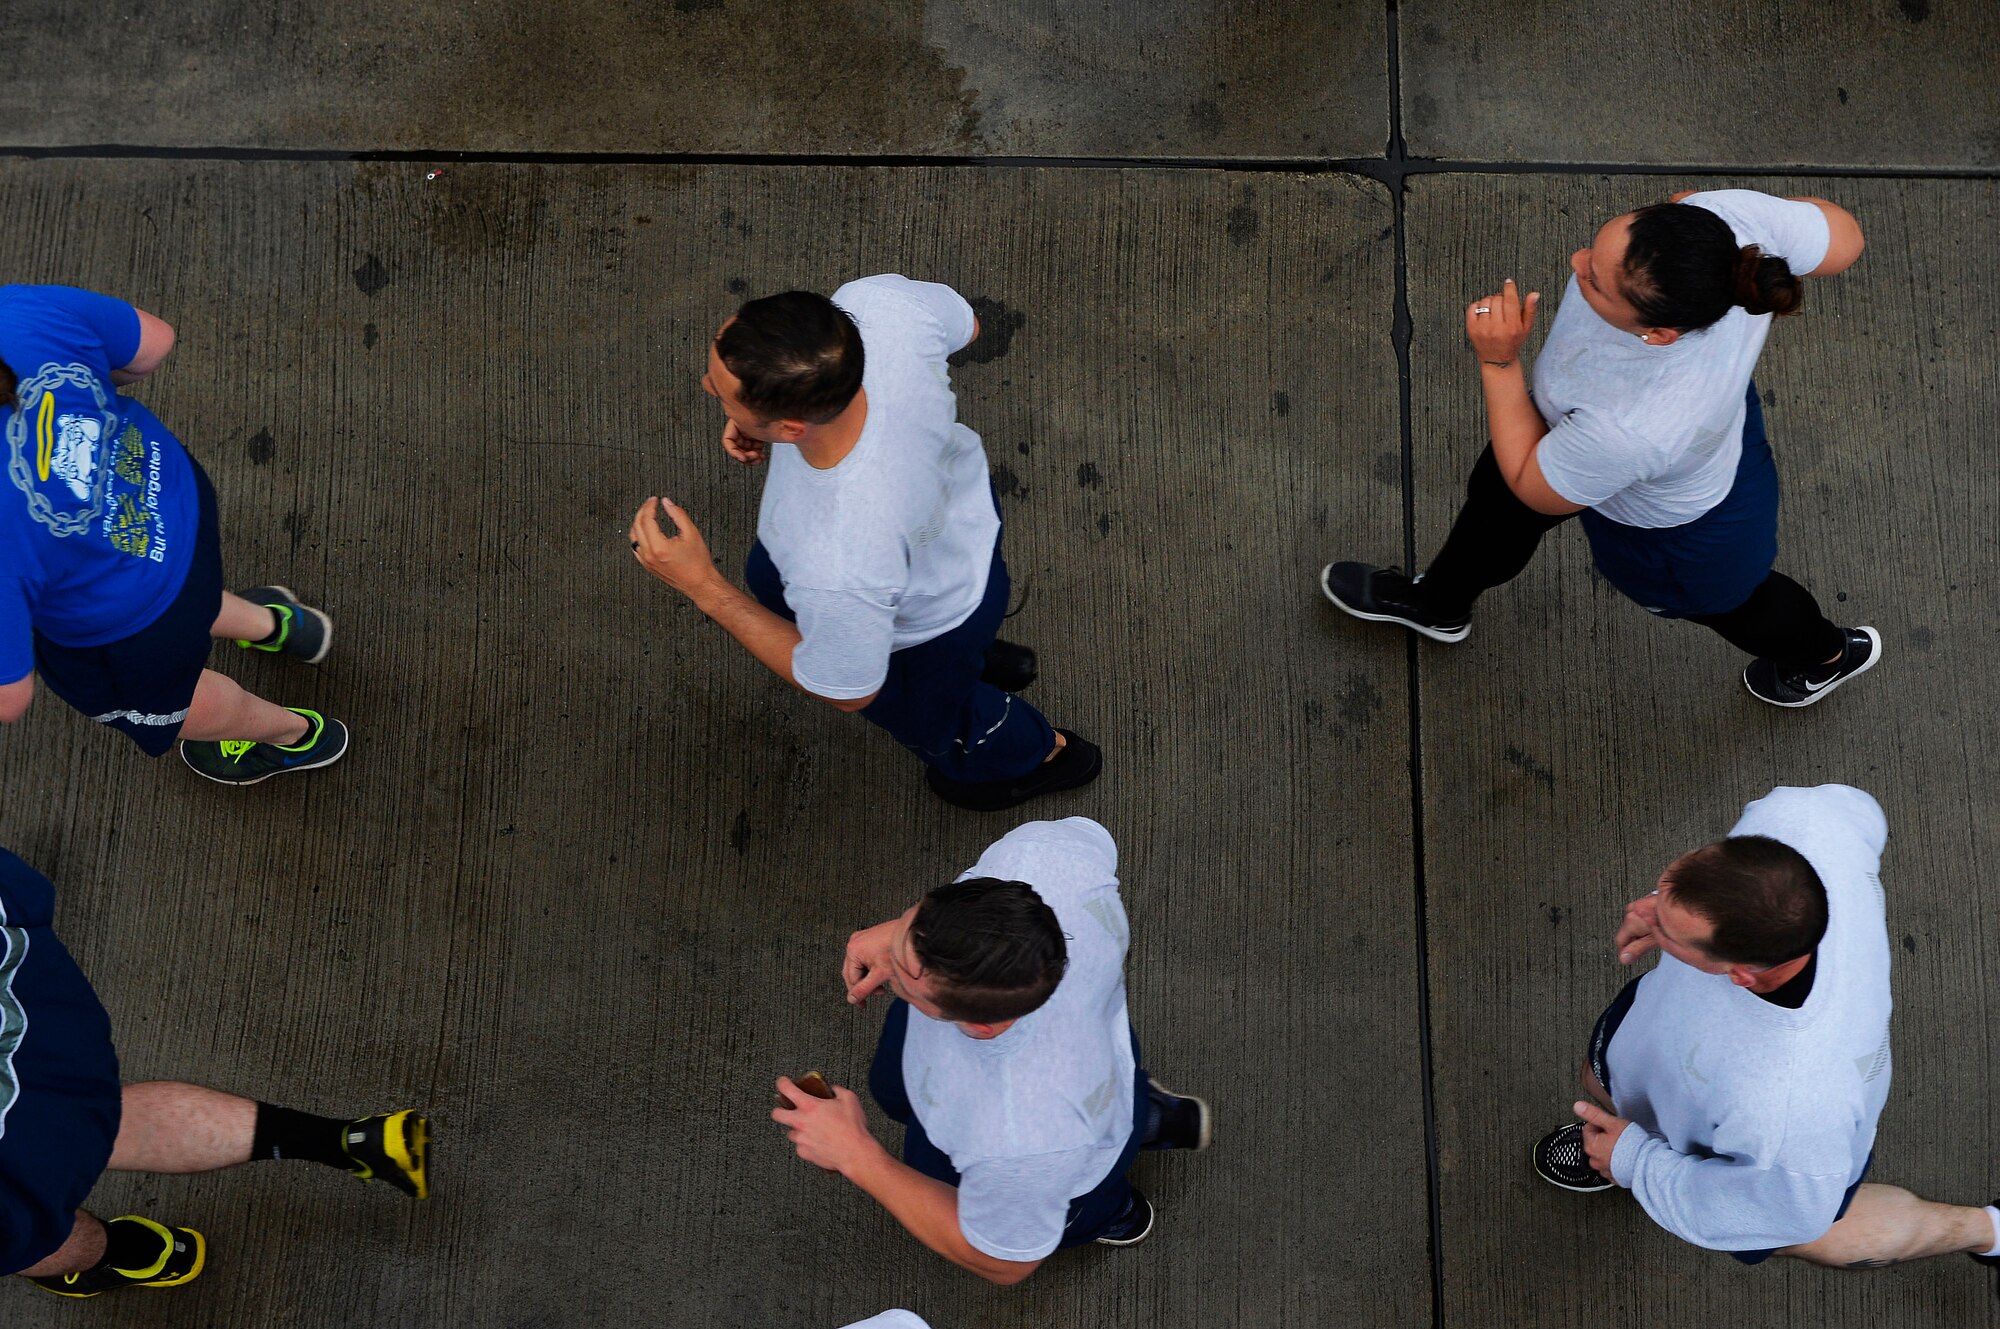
[{"x": 1482, "y": 309}]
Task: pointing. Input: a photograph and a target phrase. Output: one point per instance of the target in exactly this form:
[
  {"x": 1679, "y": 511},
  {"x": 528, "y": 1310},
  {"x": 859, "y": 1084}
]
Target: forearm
[
  {"x": 762, "y": 633},
  {"x": 928, "y": 1209},
  {"x": 1512, "y": 420}
]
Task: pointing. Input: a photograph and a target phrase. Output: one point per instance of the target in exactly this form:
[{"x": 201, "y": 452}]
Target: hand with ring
[{"x": 1498, "y": 325}]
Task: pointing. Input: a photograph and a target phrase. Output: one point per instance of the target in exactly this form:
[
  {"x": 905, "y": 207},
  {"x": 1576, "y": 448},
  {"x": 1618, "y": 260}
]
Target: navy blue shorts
[
  {"x": 1758, "y": 1257},
  {"x": 59, "y": 1095},
  {"x": 1711, "y": 564},
  {"x": 141, "y": 685},
  {"x": 1606, "y": 1027},
  {"x": 1090, "y": 1214}
]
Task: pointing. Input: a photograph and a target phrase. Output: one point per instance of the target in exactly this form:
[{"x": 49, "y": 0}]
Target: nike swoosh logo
[{"x": 1821, "y": 687}]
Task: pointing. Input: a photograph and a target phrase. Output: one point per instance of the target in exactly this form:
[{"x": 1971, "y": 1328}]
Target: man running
[
  {"x": 1736, "y": 1087},
  {"x": 110, "y": 558},
  {"x": 1018, "y": 1082},
  {"x": 65, "y": 1120},
  {"x": 877, "y": 578}
]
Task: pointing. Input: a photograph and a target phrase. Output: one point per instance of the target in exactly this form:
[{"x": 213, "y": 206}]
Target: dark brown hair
[
  {"x": 1684, "y": 270},
  {"x": 798, "y": 355},
  {"x": 7, "y": 385},
  {"x": 1766, "y": 902},
  {"x": 992, "y": 949}
]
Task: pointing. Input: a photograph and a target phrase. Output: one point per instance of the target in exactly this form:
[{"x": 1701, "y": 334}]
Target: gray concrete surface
[
  {"x": 583, "y": 884},
  {"x": 1264, "y": 78},
  {"x": 1777, "y": 83},
  {"x": 1574, "y": 746}
]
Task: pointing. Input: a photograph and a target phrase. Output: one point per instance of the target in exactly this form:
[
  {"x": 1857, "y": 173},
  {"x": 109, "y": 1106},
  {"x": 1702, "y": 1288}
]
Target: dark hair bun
[{"x": 1764, "y": 285}]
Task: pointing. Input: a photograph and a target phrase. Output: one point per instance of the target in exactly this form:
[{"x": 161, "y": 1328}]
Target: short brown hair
[
  {"x": 797, "y": 356},
  {"x": 1766, "y": 902},
  {"x": 992, "y": 949}
]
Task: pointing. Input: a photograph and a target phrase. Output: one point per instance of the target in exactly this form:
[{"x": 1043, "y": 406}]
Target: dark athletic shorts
[
  {"x": 1712, "y": 564},
  {"x": 141, "y": 685},
  {"x": 1600, "y": 1040},
  {"x": 59, "y": 1096}
]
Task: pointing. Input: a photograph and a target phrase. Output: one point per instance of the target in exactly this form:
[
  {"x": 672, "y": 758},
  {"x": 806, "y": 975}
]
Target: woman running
[{"x": 1644, "y": 419}]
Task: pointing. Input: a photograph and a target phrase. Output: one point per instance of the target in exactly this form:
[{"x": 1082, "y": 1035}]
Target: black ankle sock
[
  {"x": 129, "y": 1246},
  {"x": 277, "y": 629},
  {"x": 285, "y": 1133}
]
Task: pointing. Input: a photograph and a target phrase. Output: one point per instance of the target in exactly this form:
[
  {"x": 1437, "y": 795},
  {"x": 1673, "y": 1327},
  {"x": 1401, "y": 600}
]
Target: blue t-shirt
[{"x": 98, "y": 527}]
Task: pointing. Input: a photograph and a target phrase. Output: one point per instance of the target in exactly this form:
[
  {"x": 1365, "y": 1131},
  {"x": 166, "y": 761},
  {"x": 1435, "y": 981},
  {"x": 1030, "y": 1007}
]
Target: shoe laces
[{"x": 236, "y": 749}]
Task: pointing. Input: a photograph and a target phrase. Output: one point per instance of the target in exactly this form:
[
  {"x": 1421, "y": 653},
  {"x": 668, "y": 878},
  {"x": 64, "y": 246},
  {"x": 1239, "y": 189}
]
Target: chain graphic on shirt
[
  {"x": 65, "y": 446},
  {"x": 13, "y": 1019}
]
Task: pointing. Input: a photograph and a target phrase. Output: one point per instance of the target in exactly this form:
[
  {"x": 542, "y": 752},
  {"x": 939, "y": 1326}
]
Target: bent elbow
[
  {"x": 853, "y": 704},
  {"x": 1008, "y": 1277}
]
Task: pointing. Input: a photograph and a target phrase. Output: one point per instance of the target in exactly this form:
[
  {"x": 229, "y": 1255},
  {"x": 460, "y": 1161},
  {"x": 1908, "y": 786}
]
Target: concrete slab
[
  {"x": 1171, "y": 78},
  {"x": 1573, "y": 746},
  {"x": 583, "y": 885},
  {"x": 1777, "y": 83}
]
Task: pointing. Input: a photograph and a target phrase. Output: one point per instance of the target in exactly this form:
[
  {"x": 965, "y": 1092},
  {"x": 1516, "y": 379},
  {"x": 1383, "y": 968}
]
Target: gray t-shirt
[
  {"x": 891, "y": 547},
  {"x": 1750, "y": 1120},
  {"x": 891, "y": 1320},
  {"x": 1650, "y": 435},
  {"x": 1038, "y": 1116}
]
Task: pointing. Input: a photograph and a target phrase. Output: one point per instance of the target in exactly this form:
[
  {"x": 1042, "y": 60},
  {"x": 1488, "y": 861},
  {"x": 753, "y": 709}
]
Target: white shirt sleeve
[
  {"x": 1587, "y": 458},
  {"x": 1720, "y": 1204},
  {"x": 898, "y": 1319},
  {"x": 1016, "y": 1208},
  {"x": 945, "y": 308},
  {"x": 1799, "y": 233},
  {"x": 845, "y": 640}
]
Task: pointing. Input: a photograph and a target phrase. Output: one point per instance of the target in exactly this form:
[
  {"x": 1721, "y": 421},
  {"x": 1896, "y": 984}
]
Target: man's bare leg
[
  {"x": 1599, "y": 1095},
  {"x": 1887, "y": 1225},
  {"x": 221, "y": 709},
  {"x": 242, "y": 621},
  {"x": 172, "y": 1127},
  {"x": 82, "y": 1251}
]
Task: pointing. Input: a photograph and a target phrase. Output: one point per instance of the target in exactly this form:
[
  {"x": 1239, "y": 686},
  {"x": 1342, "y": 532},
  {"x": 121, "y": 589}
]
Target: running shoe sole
[
  {"x": 1446, "y": 635},
  {"x": 1874, "y": 658}
]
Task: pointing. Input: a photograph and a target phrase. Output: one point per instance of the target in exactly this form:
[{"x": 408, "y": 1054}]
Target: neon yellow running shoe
[
  {"x": 391, "y": 1147},
  {"x": 182, "y": 1255}
]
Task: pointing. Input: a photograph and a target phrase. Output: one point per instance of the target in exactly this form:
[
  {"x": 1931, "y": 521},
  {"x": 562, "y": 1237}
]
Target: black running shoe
[
  {"x": 182, "y": 1255},
  {"x": 1560, "y": 1160},
  {"x": 391, "y": 1147},
  {"x": 1803, "y": 687},
  {"x": 303, "y": 632},
  {"x": 1134, "y": 1226},
  {"x": 1174, "y": 1121},
  {"x": 1992, "y": 1262},
  {"x": 1385, "y": 595},
  {"x": 1009, "y": 666},
  {"x": 238, "y": 761},
  {"x": 1077, "y": 764}
]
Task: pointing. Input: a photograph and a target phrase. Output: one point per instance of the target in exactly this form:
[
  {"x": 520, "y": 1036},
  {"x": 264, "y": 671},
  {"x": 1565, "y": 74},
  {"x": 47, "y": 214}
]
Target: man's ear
[
  {"x": 1743, "y": 976},
  {"x": 791, "y": 431}
]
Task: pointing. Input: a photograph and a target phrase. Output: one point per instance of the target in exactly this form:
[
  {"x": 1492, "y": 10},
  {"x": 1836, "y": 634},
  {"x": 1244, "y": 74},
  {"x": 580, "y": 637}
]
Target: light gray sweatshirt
[{"x": 1749, "y": 1120}]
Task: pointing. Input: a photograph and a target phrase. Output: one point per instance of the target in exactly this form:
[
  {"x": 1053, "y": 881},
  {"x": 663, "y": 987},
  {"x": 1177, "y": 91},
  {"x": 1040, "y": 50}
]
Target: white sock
[{"x": 1994, "y": 1214}]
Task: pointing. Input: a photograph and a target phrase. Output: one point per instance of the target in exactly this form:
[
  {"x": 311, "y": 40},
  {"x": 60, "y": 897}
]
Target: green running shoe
[
  {"x": 239, "y": 761},
  {"x": 182, "y": 1254},
  {"x": 391, "y": 1147},
  {"x": 304, "y": 633}
]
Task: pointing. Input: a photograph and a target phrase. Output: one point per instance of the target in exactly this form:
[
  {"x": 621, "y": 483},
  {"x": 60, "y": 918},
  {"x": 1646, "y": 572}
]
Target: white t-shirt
[
  {"x": 891, "y": 1320},
  {"x": 1038, "y": 1116},
  {"x": 1750, "y": 1120},
  {"x": 1651, "y": 435},
  {"x": 892, "y": 546}
]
